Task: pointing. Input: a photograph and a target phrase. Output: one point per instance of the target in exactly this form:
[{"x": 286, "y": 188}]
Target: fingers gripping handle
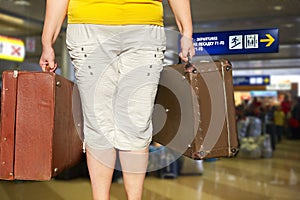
[{"x": 189, "y": 67}]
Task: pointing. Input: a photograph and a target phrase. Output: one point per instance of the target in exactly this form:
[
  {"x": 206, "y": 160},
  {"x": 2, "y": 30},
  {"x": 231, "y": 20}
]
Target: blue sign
[
  {"x": 237, "y": 42},
  {"x": 263, "y": 93},
  {"x": 251, "y": 80}
]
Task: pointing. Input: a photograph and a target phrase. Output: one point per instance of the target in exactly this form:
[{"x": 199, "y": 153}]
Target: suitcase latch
[{"x": 15, "y": 74}]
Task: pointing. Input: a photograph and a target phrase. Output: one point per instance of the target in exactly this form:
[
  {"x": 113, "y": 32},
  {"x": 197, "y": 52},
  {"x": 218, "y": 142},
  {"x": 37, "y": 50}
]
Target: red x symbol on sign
[{"x": 16, "y": 51}]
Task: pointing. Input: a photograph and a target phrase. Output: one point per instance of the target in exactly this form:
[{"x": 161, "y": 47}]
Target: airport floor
[{"x": 276, "y": 178}]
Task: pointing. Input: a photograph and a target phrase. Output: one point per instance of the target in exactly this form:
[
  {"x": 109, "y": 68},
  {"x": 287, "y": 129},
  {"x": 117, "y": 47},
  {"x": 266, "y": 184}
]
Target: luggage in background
[
  {"x": 256, "y": 147},
  {"x": 189, "y": 166},
  {"x": 266, "y": 147},
  {"x": 38, "y": 137},
  {"x": 169, "y": 163},
  {"x": 195, "y": 112},
  {"x": 254, "y": 126},
  {"x": 250, "y": 148}
]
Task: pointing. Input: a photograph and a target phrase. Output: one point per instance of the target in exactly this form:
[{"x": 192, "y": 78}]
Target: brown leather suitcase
[
  {"x": 194, "y": 112},
  {"x": 38, "y": 137}
]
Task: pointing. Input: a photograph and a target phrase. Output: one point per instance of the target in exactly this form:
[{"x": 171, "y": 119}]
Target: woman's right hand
[
  {"x": 47, "y": 60},
  {"x": 55, "y": 14}
]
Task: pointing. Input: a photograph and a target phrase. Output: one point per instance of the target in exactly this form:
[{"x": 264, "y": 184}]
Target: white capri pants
[{"x": 117, "y": 70}]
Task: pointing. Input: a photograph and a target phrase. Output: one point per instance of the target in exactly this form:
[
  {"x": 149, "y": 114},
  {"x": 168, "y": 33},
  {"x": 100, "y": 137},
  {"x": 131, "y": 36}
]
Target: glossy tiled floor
[{"x": 277, "y": 178}]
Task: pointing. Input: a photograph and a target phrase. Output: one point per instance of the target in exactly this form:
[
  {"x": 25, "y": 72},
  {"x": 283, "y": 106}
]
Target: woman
[{"x": 116, "y": 47}]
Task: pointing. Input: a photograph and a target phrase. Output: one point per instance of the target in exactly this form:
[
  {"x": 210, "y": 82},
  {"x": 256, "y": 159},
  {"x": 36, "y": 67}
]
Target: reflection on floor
[{"x": 234, "y": 179}]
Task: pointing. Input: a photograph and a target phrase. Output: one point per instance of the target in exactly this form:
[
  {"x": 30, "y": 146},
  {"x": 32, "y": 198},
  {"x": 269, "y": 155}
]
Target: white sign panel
[
  {"x": 279, "y": 86},
  {"x": 12, "y": 49},
  {"x": 30, "y": 44}
]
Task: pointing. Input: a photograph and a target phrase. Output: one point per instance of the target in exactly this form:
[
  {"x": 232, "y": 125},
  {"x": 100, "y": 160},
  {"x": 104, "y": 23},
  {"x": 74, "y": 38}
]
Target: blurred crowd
[{"x": 281, "y": 120}]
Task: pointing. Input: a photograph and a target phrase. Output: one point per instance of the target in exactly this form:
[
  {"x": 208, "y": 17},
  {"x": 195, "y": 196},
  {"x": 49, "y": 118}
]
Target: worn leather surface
[
  {"x": 7, "y": 132},
  {"x": 210, "y": 130},
  {"x": 66, "y": 129},
  {"x": 46, "y": 139}
]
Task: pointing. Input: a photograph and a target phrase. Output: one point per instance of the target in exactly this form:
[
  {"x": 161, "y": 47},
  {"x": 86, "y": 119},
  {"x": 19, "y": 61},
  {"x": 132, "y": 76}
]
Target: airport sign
[
  {"x": 236, "y": 42},
  {"x": 12, "y": 49}
]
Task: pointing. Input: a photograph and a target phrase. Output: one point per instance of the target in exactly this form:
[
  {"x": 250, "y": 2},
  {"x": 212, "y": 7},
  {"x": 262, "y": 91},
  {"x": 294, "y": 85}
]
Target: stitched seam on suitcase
[
  {"x": 226, "y": 108},
  {"x": 12, "y": 77}
]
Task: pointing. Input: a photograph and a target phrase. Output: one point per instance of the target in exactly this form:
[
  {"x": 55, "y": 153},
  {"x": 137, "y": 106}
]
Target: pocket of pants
[{"x": 81, "y": 45}]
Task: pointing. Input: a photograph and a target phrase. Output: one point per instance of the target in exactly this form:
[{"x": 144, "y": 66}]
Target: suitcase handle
[
  {"x": 189, "y": 67},
  {"x": 48, "y": 69}
]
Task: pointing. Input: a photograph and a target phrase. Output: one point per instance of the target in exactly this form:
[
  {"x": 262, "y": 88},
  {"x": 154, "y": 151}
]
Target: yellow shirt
[
  {"x": 116, "y": 12},
  {"x": 279, "y": 118}
]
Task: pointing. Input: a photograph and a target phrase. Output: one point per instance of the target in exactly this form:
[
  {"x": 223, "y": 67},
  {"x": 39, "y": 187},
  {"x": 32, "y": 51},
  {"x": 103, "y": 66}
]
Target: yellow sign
[
  {"x": 269, "y": 39},
  {"x": 266, "y": 80},
  {"x": 12, "y": 49}
]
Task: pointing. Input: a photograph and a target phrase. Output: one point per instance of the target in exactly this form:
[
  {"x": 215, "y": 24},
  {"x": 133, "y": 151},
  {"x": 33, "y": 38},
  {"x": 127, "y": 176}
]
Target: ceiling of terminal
[{"x": 22, "y": 18}]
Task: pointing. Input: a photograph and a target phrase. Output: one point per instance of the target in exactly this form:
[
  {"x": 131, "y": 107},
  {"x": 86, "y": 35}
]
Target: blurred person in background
[
  {"x": 286, "y": 106},
  {"x": 279, "y": 121},
  {"x": 294, "y": 120}
]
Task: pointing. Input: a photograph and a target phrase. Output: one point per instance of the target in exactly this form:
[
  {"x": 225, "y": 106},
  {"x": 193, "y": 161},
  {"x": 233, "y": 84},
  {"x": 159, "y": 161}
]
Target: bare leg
[
  {"x": 101, "y": 167},
  {"x": 134, "y": 166}
]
